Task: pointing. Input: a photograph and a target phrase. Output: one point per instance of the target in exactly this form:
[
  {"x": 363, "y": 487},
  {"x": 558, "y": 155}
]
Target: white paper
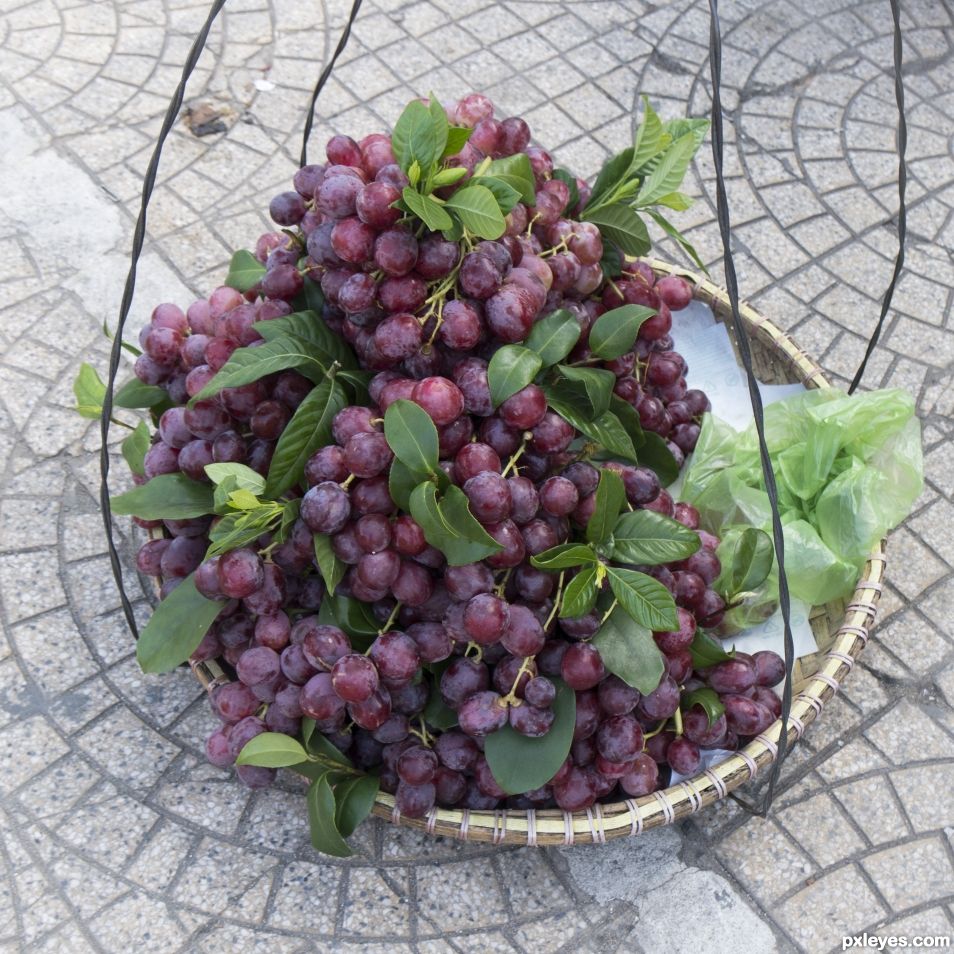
[{"x": 713, "y": 368}]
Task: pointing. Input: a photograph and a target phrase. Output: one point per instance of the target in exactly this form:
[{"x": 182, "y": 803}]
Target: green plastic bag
[{"x": 848, "y": 470}]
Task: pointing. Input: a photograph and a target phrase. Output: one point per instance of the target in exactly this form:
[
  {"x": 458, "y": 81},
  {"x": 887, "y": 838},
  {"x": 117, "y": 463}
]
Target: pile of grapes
[{"x": 407, "y": 476}]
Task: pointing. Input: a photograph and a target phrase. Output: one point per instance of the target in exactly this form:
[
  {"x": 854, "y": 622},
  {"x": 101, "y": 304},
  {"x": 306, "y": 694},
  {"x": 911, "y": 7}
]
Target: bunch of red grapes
[{"x": 426, "y": 315}]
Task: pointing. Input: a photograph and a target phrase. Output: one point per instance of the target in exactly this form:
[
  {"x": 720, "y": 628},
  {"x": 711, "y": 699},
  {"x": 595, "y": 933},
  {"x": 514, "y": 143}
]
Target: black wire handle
[
  {"x": 325, "y": 74},
  {"x": 139, "y": 237},
  {"x": 732, "y": 287},
  {"x": 902, "y": 142}
]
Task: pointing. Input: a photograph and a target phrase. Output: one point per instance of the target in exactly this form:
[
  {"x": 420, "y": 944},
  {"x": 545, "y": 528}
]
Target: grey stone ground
[{"x": 114, "y": 834}]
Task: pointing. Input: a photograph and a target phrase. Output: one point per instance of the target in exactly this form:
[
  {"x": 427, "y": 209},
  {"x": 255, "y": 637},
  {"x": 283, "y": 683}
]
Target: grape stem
[
  {"x": 346, "y": 483},
  {"x": 655, "y": 731},
  {"x": 391, "y": 618},
  {"x": 517, "y": 454},
  {"x": 560, "y": 247},
  {"x": 478, "y": 651},
  {"x": 677, "y": 719},
  {"x": 609, "y": 612},
  {"x": 511, "y": 699},
  {"x": 556, "y": 601},
  {"x": 422, "y": 733},
  {"x": 502, "y": 585}
]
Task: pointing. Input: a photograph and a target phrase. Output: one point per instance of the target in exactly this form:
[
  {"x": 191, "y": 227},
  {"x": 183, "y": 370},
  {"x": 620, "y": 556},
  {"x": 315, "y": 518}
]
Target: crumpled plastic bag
[{"x": 848, "y": 469}]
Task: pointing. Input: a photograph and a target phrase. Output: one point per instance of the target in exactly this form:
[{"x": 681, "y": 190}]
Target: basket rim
[{"x": 665, "y": 806}]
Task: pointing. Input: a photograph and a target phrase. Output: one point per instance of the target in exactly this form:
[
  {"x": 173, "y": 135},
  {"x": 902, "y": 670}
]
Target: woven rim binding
[{"x": 818, "y": 677}]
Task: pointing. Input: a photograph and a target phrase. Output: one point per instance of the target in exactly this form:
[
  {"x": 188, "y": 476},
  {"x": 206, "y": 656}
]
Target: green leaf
[
  {"x": 478, "y": 210},
  {"x": 401, "y": 481},
  {"x": 307, "y": 431},
  {"x": 616, "y": 170},
  {"x": 614, "y": 332},
  {"x": 222, "y": 494},
  {"x": 245, "y": 477},
  {"x": 563, "y": 556},
  {"x": 437, "y": 713},
  {"x": 678, "y": 237},
  {"x": 272, "y": 750},
  {"x": 707, "y": 698},
  {"x": 412, "y": 437},
  {"x": 325, "y": 837},
  {"x": 505, "y": 194},
  {"x": 135, "y": 394},
  {"x": 175, "y": 628},
  {"x": 707, "y": 651},
  {"x": 309, "y": 327},
  {"x": 332, "y": 569},
  {"x": 649, "y": 538},
  {"x": 290, "y": 512},
  {"x": 355, "y": 799},
  {"x": 554, "y": 337},
  {"x": 90, "y": 392},
  {"x": 166, "y": 497},
  {"x": 611, "y": 264},
  {"x": 567, "y": 177},
  {"x": 629, "y": 419},
  {"x": 462, "y": 538},
  {"x": 319, "y": 746},
  {"x": 239, "y": 529},
  {"x": 520, "y": 764},
  {"x": 677, "y": 128},
  {"x": 351, "y": 615},
  {"x": 359, "y": 381},
  {"x": 517, "y": 172},
  {"x": 450, "y": 526},
  {"x": 588, "y": 389},
  {"x": 245, "y": 271},
  {"x": 246, "y": 365},
  {"x": 747, "y": 559},
  {"x": 607, "y": 431},
  {"x": 511, "y": 368},
  {"x": 310, "y": 298},
  {"x": 651, "y": 138},
  {"x": 457, "y": 137},
  {"x": 630, "y": 652},
  {"x": 610, "y": 498},
  {"x": 441, "y": 127},
  {"x": 427, "y": 209},
  {"x": 677, "y": 201},
  {"x": 579, "y": 595},
  {"x": 620, "y": 225},
  {"x": 416, "y": 136},
  {"x": 645, "y": 599},
  {"x": 656, "y": 455},
  {"x": 241, "y": 499},
  {"x": 669, "y": 172},
  {"x": 135, "y": 446},
  {"x": 447, "y": 177}
]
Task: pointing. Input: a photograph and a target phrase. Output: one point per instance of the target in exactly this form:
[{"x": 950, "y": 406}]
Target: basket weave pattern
[{"x": 840, "y": 628}]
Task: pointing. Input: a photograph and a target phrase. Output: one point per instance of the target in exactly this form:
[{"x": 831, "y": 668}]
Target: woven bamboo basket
[{"x": 841, "y": 631}]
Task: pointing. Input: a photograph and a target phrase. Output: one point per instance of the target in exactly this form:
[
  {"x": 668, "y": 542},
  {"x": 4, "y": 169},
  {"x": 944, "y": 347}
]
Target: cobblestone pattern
[{"x": 114, "y": 833}]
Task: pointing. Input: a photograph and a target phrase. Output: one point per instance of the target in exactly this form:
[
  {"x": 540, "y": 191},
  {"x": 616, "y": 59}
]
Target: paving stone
[
  {"x": 821, "y": 829},
  {"x": 912, "y": 873},
  {"x": 839, "y": 904},
  {"x": 874, "y": 809}
]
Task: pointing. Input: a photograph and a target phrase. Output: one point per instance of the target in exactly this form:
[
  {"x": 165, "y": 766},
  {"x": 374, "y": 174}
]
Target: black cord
[
  {"x": 732, "y": 287},
  {"x": 902, "y": 186},
  {"x": 325, "y": 73},
  {"x": 139, "y": 236}
]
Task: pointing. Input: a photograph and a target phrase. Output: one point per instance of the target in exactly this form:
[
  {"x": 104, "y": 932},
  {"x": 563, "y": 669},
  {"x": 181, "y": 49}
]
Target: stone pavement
[{"x": 114, "y": 833}]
